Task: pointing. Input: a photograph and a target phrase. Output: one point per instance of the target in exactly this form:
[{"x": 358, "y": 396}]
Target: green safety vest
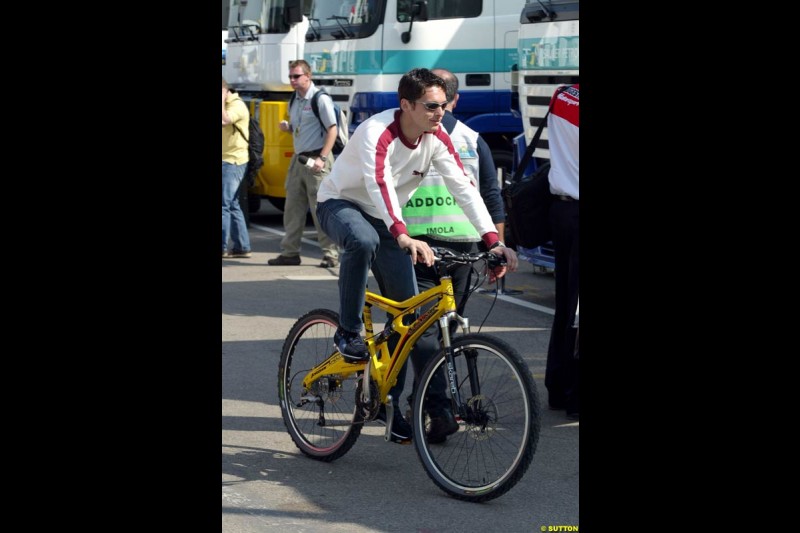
[{"x": 432, "y": 211}]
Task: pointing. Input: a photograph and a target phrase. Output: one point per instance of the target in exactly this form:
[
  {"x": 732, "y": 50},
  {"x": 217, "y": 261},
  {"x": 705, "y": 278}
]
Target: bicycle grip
[{"x": 494, "y": 260}]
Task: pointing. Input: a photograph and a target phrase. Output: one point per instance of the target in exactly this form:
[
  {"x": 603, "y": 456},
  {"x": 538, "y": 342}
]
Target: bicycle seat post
[{"x": 389, "y": 418}]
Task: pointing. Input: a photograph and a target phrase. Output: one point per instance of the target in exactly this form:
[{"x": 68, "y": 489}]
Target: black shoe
[
  {"x": 328, "y": 262},
  {"x": 573, "y": 408},
  {"x": 241, "y": 253},
  {"x": 284, "y": 260},
  {"x": 351, "y": 346},
  {"x": 401, "y": 430},
  {"x": 556, "y": 402},
  {"x": 443, "y": 423}
]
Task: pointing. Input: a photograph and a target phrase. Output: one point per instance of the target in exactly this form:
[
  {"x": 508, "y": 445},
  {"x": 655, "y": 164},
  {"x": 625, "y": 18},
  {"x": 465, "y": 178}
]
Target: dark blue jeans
[
  {"x": 366, "y": 243},
  {"x": 234, "y": 226}
]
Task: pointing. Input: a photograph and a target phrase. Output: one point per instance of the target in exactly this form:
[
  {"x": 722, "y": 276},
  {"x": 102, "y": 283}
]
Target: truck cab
[
  {"x": 548, "y": 50},
  {"x": 359, "y": 50},
  {"x": 263, "y": 37}
]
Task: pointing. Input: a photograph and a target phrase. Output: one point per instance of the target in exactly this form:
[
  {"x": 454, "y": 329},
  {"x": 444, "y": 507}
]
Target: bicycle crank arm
[
  {"x": 387, "y": 436},
  {"x": 365, "y": 392}
]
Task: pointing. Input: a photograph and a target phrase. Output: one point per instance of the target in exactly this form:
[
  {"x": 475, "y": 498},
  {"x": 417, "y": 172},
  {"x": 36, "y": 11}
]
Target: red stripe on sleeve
[{"x": 382, "y": 151}]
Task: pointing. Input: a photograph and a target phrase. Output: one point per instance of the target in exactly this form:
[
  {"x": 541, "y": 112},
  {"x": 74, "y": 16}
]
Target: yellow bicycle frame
[{"x": 384, "y": 367}]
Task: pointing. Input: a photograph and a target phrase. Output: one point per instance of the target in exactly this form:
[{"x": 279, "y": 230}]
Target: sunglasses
[
  {"x": 295, "y": 76},
  {"x": 433, "y": 106}
]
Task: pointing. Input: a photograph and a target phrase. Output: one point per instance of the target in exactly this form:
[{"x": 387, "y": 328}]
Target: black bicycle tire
[
  {"x": 300, "y": 440},
  {"x": 529, "y": 442}
]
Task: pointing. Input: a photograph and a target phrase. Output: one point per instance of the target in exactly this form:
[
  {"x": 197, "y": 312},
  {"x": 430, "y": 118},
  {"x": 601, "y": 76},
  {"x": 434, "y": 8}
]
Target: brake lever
[{"x": 495, "y": 260}]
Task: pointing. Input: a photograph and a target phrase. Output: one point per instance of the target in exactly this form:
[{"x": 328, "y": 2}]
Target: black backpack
[
  {"x": 343, "y": 134},
  {"x": 527, "y": 199},
  {"x": 255, "y": 150}
]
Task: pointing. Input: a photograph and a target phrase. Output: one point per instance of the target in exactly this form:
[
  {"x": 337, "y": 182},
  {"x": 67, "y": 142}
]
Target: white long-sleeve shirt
[
  {"x": 563, "y": 125},
  {"x": 379, "y": 171}
]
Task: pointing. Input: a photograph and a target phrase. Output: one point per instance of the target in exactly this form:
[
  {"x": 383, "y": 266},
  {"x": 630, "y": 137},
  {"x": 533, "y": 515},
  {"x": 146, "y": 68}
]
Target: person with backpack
[
  {"x": 234, "y": 163},
  {"x": 562, "y": 373},
  {"x": 312, "y": 161}
]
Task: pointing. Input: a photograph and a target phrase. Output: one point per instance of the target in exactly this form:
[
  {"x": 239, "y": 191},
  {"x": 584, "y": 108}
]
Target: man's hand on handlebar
[
  {"x": 418, "y": 250},
  {"x": 511, "y": 262}
]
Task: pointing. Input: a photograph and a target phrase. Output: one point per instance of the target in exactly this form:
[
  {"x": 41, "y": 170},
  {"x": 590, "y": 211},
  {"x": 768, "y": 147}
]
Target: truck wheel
[
  {"x": 253, "y": 203},
  {"x": 279, "y": 203},
  {"x": 503, "y": 159}
]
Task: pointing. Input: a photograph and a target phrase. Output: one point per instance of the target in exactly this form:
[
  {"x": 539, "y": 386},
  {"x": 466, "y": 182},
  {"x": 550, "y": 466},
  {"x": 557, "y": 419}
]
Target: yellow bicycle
[{"x": 325, "y": 401}]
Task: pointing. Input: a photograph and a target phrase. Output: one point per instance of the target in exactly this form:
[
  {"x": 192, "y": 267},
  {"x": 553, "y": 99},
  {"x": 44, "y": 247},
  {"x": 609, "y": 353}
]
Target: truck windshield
[
  {"x": 441, "y": 9},
  {"x": 251, "y": 17},
  {"x": 343, "y": 19},
  {"x": 537, "y": 11}
]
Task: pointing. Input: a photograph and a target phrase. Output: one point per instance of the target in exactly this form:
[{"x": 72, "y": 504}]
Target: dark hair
[
  {"x": 416, "y": 81},
  {"x": 450, "y": 82}
]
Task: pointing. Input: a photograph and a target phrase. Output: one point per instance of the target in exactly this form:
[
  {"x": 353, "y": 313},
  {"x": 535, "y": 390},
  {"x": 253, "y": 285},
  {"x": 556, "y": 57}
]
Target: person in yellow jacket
[{"x": 234, "y": 164}]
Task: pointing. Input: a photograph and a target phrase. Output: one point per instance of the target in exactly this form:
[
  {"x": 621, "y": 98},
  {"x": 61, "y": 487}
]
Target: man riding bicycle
[{"x": 359, "y": 207}]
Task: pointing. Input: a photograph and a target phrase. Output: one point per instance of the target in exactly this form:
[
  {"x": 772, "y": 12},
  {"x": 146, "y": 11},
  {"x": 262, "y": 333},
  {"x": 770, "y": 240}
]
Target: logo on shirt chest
[{"x": 417, "y": 173}]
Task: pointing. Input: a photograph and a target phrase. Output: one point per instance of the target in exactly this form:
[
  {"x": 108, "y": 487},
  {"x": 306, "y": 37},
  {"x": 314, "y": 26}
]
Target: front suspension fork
[{"x": 450, "y": 364}]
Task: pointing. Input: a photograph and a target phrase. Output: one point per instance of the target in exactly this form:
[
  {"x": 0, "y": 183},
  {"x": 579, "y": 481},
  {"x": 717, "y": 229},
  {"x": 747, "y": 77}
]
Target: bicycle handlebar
[{"x": 449, "y": 257}]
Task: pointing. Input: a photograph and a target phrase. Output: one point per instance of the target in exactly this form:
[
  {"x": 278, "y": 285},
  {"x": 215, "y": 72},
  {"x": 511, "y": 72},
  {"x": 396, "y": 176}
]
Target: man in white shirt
[
  {"x": 561, "y": 375},
  {"x": 359, "y": 207}
]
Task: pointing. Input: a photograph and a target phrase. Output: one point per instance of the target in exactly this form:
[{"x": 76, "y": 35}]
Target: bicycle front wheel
[
  {"x": 498, "y": 428},
  {"x": 322, "y": 420}
]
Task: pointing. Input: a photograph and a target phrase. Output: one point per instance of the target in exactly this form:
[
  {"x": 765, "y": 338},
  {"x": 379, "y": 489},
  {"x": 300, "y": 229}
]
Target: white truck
[
  {"x": 359, "y": 49},
  {"x": 263, "y": 37},
  {"x": 224, "y": 46},
  {"x": 225, "y": 11},
  {"x": 549, "y": 53}
]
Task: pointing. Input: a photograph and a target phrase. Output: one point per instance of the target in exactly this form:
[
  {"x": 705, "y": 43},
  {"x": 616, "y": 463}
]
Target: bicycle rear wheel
[
  {"x": 322, "y": 421},
  {"x": 498, "y": 434}
]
